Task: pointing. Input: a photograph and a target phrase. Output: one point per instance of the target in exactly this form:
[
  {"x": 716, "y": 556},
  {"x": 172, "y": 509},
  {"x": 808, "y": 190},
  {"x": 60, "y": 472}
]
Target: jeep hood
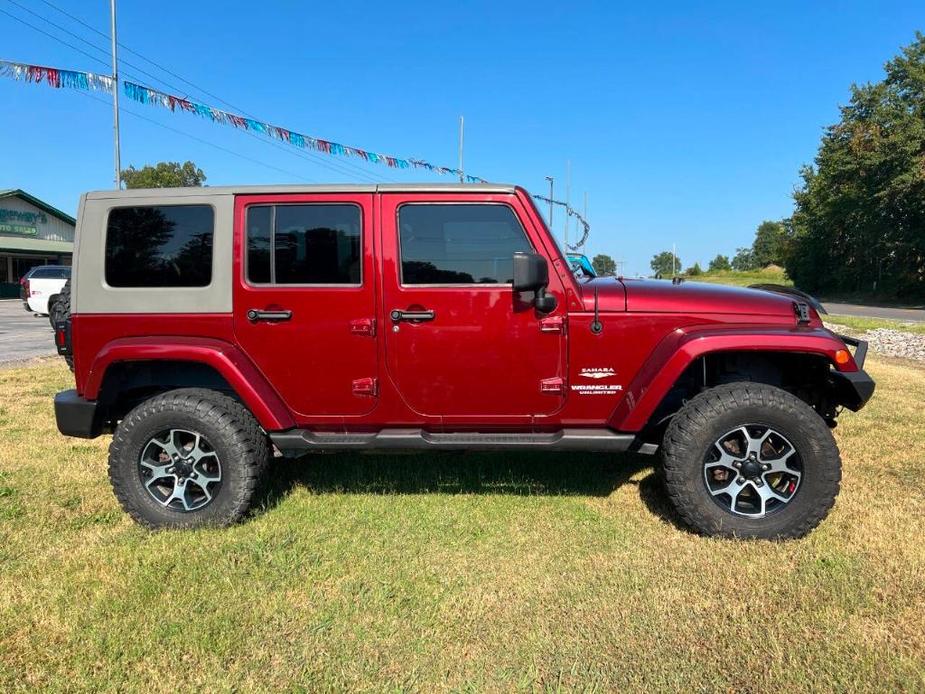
[{"x": 663, "y": 296}]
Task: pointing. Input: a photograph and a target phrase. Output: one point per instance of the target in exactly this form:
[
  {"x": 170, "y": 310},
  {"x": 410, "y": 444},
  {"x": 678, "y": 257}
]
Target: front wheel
[
  {"x": 187, "y": 458},
  {"x": 750, "y": 460}
]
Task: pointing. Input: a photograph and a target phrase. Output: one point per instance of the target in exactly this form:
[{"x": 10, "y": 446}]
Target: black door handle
[
  {"x": 254, "y": 315},
  {"x": 417, "y": 316}
]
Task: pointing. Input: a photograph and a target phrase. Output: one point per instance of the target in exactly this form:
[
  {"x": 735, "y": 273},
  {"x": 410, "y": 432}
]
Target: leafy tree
[
  {"x": 768, "y": 247},
  {"x": 604, "y": 265},
  {"x": 860, "y": 210},
  {"x": 719, "y": 263},
  {"x": 665, "y": 264},
  {"x": 165, "y": 174},
  {"x": 694, "y": 270},
  {"x": 744, "y": 260}
]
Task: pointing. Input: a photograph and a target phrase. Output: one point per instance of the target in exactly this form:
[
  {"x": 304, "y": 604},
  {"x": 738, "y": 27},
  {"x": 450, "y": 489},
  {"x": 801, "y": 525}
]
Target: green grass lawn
[
  {"x": 769, "y": 275},
  {"x": 457, "y": 572}
]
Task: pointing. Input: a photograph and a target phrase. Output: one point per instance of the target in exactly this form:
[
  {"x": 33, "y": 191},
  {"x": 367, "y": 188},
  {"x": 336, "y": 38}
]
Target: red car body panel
[
  {"x": 659, "y": 296},
  {"x": 313, "y": 358},
  {"x": 485, "y": 358},
  {"x": 682, "y": 346},
  {"x": 225, "y": 358},
  {"x": 487, "y": 362}
]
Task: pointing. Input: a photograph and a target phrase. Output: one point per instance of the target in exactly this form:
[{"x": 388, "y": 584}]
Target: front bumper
[
  {"x": 852, "y": 388},
  {"x": 76, "y": 416}
]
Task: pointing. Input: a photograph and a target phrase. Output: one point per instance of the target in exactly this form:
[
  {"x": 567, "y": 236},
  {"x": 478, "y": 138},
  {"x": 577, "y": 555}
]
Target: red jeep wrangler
[{"x": 209, "y": 325}]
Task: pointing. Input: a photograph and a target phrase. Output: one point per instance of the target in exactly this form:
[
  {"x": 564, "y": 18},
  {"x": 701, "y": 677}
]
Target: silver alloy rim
[
  {"x": 180, "y": 470},
  {"x": 752, "y": 471}
]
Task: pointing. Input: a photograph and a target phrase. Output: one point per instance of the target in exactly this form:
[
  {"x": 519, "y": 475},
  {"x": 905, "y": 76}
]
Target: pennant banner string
[
  {"x": 55, "y": 77},
  {"x": 154, "y": 97},
  {"x": 90, "y": 81}
]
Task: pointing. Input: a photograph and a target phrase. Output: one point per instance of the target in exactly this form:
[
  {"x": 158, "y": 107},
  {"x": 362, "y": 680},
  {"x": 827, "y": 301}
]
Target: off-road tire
[
  {"x": 230, "y": 428},
  {"x": 60, "y": 309},
  {"x": 695, "y": 428}
]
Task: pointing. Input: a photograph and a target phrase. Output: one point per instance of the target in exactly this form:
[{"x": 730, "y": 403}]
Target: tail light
[
  {"x": 63, "y": 337},
  {"x": 26, "y": 287}
]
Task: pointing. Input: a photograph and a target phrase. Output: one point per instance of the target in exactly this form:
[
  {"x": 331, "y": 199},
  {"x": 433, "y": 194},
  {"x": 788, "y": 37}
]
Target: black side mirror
[{"x": 531, "y": 274}]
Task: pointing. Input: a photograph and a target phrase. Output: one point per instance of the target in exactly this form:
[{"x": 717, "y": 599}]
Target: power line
[
  {"x": 145, "y": 58},
  {"x": 89, "y": 43},
  {"x": 52, "y": 36},
  {"x": 320, "y": 161},
  {"x": 198, "y": 139},
  {"x": 353, "y": 170}
]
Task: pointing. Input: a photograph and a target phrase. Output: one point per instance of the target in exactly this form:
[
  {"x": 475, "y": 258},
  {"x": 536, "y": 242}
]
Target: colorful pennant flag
[
  {"x": 90, "y": 81},
  {"x": 153, "y": 97},
  {"x": 54, "y": 77}
]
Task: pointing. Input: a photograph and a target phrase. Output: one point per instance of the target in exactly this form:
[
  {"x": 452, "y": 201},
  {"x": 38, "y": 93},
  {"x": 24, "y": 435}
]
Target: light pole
[
  {"x": 117, "y": 157},
  {"x": 568, "y": 198},
  {"x": 462, "y": 178},
  {"x": 549, "y": 178}
]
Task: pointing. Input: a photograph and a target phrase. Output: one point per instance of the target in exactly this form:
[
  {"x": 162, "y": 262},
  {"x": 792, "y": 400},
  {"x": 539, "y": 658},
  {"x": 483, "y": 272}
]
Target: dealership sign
[{"x": 21, "y": 223}]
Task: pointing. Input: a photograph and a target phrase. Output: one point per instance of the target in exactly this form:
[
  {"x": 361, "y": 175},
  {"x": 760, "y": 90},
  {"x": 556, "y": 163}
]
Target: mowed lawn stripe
[{"x": 452, "y": 572}]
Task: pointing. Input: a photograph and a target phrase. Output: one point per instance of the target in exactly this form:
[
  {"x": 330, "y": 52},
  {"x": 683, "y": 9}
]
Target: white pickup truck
[{"x": 43, "y": 284}]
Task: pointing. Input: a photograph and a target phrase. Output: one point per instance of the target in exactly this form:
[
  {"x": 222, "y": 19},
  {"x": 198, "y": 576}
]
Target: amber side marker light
[{"x": 842, "y": 357}]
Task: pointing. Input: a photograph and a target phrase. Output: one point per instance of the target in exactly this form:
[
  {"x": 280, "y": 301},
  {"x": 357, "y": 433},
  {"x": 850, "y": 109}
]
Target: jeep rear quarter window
[
  {"x": 159, "y": 246},
  {"x": 459, "y": 244},
  {"x": 311, "y": 244}
]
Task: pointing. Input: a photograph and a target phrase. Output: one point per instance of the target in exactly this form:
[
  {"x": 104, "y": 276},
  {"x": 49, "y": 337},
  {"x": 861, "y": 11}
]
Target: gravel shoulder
[{"x": 888, "y": 341}]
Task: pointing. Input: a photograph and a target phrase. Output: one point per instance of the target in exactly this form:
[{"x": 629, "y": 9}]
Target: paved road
[
  {"x": 22, "y": 335},
  {"x": 906, "y": 314}
]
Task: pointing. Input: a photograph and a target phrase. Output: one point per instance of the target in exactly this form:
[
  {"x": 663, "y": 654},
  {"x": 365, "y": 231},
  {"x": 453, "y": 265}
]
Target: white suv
[{"x": 43, "y": 283}]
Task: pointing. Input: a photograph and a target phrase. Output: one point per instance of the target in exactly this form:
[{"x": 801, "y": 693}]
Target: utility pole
[
  {"x": 549, "y": 178},
  {"x": 117, "y": 156},
  {"x": 674, "y": 260},
  {"x": 586, "y": 207},
  {"x": 462, "y": 178},
  {"x": 568, "y": 197}
]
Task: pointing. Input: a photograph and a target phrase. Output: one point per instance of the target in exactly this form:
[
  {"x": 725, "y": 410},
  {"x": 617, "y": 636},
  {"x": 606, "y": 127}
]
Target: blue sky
[{"x": 684, "y": 124}]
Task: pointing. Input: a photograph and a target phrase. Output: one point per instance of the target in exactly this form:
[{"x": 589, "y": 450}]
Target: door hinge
[
  {"x": 363, "y": 326},
  {"x": 366, "y": 386},
  {"x": 552, "y": 385},
  {"x": 553, "y": 324}
]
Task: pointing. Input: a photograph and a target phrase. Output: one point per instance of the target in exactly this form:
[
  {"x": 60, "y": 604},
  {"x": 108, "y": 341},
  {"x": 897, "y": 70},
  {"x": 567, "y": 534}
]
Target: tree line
[
  {"x": 859, "y": 218},
  {"x": 858, "y": 224},
  {"x": 772, "y": 239}
]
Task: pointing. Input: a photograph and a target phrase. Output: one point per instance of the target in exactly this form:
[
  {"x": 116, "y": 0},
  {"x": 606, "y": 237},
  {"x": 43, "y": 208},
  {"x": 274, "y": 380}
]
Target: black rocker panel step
[{"x": 297, "y": 441}]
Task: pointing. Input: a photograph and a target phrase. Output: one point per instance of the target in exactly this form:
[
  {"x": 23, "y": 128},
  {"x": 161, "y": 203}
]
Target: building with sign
[{"x": 32, "y": 233}]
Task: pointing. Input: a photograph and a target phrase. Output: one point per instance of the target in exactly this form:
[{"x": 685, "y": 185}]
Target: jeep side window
[
  {"x": 459, "y": 243},
  {"x": 159, "y": 246},
  {"x": 303, "y": 244}
]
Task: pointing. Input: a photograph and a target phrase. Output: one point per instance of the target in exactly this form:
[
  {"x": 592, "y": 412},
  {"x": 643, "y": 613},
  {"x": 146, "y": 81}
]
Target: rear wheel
[
  {"x": 750, "y": 460},
  {"x": 187, "y": 458},
  {"x": 60, "y": 310}
]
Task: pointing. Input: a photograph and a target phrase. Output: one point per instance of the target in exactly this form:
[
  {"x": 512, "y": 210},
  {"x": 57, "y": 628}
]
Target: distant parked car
[
  {"x": 24, "y": 279},
  {"x": 42, "y": 285}
]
